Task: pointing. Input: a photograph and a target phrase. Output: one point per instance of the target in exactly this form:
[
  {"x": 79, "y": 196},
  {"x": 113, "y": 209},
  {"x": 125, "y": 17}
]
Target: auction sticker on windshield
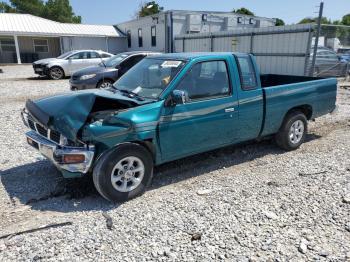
[{"x": 171, "y": 64}]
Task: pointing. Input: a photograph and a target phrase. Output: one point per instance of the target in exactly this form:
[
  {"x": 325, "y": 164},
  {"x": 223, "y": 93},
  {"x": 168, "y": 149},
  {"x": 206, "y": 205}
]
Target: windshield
[
  {"x": 65, "y": 55},
  {"x": 149, "y": 77},
  {"x": 115, "y": 60}
]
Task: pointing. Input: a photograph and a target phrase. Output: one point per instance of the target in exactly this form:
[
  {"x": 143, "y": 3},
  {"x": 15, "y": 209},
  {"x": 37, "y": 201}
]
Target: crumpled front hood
[{"x": 68, "y": 113}]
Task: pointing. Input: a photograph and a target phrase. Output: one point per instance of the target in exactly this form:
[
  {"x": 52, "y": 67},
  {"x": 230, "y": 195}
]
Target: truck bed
[
  {"x": 276, "y": 80},
  {"x": 282, "y": 92}
]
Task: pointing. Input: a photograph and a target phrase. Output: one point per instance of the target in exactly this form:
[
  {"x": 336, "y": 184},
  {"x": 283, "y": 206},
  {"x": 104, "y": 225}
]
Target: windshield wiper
[{"x": 130, "y": 94}]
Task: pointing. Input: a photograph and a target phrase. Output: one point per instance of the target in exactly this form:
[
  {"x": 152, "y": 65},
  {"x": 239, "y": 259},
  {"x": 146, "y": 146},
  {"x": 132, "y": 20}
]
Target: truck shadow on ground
[{"x": 41, "y": 186}]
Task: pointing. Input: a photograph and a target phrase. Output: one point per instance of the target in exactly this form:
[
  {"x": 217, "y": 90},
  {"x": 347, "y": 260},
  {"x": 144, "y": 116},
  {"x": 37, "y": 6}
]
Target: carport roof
[{"x": 25, "y": 24}]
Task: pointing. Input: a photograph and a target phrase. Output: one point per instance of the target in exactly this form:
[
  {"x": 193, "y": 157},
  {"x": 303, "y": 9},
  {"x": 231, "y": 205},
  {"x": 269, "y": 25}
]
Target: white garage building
[{"x": 25, "y": 38}]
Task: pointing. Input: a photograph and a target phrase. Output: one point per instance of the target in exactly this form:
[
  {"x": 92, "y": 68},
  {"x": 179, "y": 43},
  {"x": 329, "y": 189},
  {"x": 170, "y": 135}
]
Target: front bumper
[
  {"x": 41, "y": 70},
  {"x": 56, "y": 153}
]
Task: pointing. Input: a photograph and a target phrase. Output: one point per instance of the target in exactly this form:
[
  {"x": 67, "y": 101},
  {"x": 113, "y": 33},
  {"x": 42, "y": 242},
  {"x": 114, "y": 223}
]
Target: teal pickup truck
[{"x": 168, "y": 107}]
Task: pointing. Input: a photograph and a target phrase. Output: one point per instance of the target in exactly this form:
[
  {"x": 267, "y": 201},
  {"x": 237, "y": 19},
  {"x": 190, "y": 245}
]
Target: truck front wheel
[
  {"x": 292, "y": 132},
  {"x": 123, "y": 173}
]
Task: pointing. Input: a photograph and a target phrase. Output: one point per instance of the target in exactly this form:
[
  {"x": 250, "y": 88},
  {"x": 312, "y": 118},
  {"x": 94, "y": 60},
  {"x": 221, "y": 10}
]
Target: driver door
[
  {"x": 208, "y": 120},
  {"x": 77, "y": 61}
]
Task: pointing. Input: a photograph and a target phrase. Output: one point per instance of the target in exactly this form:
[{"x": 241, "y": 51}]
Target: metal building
[
  {"x": 278, "y": 49},
  {"x": 25, "y": 38},
  {"x": 157, "y": 32}
]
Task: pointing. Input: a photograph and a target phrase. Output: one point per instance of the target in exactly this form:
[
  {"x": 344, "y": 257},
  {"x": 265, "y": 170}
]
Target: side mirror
[
  {"x": 179, "y": 97},
  {"x": 118, "y": 67}
]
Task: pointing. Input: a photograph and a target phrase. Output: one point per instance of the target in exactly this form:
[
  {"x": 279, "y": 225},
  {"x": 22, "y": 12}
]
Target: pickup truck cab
[{"x": 168, "y": 107}]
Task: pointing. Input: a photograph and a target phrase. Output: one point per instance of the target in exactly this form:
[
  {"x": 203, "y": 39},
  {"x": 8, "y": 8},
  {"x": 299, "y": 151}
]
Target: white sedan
[{"x": 68, "y": 63}]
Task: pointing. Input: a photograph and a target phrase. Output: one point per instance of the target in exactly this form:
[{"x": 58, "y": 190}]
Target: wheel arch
[
  {"x": 147, "y": 144},
  {"x": 60, "y": 67},
  {"x": 103, "y": 79},
  {"x": 306, "y": 109}
]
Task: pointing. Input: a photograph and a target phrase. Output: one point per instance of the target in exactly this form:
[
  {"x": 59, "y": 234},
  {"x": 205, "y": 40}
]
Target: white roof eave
[{"x": 29, "y": 25}]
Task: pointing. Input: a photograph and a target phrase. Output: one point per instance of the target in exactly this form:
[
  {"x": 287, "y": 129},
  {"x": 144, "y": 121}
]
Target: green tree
[
  {"x": 61, "y": 11},
  {"x": 56, "y": 10},
  {"x": 243, "y": 11},
  {"x": 279, "y": 22},
  {"x": 346, "y": 19},
  {"x": 310, "y": 20},
  {"x": 149, "y": 8},
  {"x": 34, "y": 7},
  {"x": 5, "y": 8}
]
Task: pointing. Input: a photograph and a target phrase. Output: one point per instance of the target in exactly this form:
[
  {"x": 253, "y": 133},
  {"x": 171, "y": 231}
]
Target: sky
[{"x": 291, "y": 11}]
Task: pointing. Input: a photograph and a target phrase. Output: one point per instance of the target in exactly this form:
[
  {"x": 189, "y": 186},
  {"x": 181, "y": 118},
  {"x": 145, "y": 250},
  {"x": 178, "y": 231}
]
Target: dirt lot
[{"x": 247, "y": 203}]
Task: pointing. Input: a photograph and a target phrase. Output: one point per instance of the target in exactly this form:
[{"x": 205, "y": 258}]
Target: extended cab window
[
  {"x": 248, "y": 77},
  {"x": 206, "y": 80}
]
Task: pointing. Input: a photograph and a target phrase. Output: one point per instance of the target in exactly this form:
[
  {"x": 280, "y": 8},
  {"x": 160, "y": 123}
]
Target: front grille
[
  {"x": 31, "y": 124},
  {"x": 75, "y": 77},
  {"x": 55, "y": 136},
  {"x": 49, "y": 133},
  {"x": 37, "y": 66},
  {"x": 41, "y": 130}
]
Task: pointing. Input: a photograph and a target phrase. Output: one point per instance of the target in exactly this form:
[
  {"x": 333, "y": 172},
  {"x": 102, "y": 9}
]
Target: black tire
[
  {"x": 283, "y": 137},
  {"x": 104, "y": 82},
  {"x": 56, "y": 73},
  {"x": 102, "y": 173}
]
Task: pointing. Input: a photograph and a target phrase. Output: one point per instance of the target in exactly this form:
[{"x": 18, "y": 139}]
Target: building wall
[
  {"x": 27, "y": 51},
  {"x": 26, "y": 46},
  {"x": 7, "y": 56},
  {"x": 113, "y": 45},
  {"x": 278, "y": 50},
  {"x": 146, "y": 24},
  {"x": 186, "y": 22}
]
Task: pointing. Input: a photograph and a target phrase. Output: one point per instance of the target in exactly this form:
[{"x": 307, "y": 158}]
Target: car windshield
[
  {"x": 149, "y": 77},
  {"x": 115, "y": 60},
  {"x": 65, "y": 55}
]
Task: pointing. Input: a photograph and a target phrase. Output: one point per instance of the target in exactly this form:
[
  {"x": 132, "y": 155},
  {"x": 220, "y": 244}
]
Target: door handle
[{"x": 229, "y": 110}]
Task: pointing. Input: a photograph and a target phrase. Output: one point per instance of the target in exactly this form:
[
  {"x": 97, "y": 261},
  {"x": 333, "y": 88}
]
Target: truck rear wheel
[
  {"x": 123, "y": 173},
  {"x": 292, "y": 132}
]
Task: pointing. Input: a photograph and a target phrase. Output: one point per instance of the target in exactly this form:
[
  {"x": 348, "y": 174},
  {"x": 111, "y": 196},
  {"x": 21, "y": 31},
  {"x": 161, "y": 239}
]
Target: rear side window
[
  {"x": 104, "y": 55},
  {"x": 93, "y": 55},
  {"x": 132, "y": 61},
  {"x": 248, "y": 77},
  {"x": 81, "y": 55}
]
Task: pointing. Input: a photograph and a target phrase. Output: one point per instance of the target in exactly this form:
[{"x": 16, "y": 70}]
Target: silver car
[{"x": 68, "y": 63}]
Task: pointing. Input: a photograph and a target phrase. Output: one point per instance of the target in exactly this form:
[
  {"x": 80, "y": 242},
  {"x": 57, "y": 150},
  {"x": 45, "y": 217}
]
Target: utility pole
[{"x": 320, "y": 13}]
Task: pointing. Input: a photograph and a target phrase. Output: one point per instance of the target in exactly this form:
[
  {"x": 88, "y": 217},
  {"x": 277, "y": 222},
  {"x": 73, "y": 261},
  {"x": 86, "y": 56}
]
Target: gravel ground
[{"x": 252, "y": 202}]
